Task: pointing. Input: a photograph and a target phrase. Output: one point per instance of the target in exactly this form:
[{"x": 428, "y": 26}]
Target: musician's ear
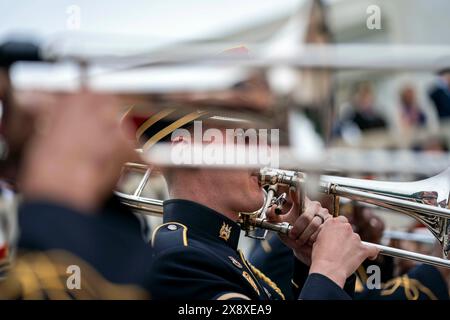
[
  {"x": 180, "y": 135},
  {"x": 178, "y": 139}
]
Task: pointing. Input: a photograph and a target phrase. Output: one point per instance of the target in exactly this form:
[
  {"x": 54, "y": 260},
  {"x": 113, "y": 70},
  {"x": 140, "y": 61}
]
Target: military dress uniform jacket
[
  {"x": 197, "y": 257},
  {"x": 108, "y": 248},
  {"x": 276, "y": 260}
]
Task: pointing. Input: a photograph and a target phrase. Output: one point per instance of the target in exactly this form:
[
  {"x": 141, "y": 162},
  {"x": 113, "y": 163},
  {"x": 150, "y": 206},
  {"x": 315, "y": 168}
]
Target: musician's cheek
[{"x": 251, "y": 194}]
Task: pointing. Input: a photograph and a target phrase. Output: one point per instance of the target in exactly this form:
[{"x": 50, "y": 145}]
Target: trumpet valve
[{"x": 280, "y": 202}]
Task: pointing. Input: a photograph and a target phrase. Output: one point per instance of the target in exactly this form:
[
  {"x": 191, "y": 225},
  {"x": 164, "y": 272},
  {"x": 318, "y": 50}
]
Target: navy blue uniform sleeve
[
  {"x": 299, "y": 277},
  {"x": 317, "y": 286},
  {"x": 320, "y": 287},
  {"x": 349, "y": 286},
  {"x": 184, "y": 273},
  {"x": 277, "y": 261}
]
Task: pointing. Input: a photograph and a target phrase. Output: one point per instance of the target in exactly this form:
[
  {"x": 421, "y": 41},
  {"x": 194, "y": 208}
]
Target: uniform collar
[{"x": 203, "y": 221}]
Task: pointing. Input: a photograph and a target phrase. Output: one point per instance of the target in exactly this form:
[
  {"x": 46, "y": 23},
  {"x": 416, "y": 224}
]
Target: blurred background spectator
[
  {"x": 440, "y": 94},
  {"x": 364, "y": 114},
  {"x": 411, "y": 113}
]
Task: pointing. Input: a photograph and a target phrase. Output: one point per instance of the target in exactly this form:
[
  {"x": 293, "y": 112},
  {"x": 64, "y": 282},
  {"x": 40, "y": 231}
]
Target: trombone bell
[{"x": 426, "y": 200}]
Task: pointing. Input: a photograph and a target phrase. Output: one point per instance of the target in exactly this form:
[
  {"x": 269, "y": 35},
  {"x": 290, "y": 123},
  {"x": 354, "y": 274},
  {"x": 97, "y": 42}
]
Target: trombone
[{"x": 426, "y": 200}]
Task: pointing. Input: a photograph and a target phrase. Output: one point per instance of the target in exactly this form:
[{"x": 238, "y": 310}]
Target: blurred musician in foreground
[
  {"x": 196, "y": 249},
  {"x": 76, "y": 241},
  {"x": 8, "y": 200}
]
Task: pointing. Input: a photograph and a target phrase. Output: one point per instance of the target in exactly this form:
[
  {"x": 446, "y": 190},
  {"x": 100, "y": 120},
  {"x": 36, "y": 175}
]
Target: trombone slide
[{"x": 405, "y": 254}]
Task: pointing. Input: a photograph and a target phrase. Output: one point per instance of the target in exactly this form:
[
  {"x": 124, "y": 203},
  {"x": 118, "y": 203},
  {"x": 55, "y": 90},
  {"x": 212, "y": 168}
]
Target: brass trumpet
[{"x": 425, "y": 200}]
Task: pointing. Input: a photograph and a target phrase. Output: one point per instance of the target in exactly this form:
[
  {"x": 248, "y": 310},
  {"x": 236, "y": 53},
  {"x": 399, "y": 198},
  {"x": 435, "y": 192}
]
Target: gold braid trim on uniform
[
  {"x": 361, "y": 278},
  {"x": 40, "y": 275},
  {"x": 361, "y": 272},
  {"x": 412, "y": 288},
  {"x": 261, "y": 275},
  {"x": 267, "y": 280},
  {"x": 49, "y": 277},
  {"x": 358, "y": 285}
]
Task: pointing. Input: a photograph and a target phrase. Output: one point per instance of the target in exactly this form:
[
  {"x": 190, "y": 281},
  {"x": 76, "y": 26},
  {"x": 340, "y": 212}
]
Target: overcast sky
[
  {"x": 175, "y": 19},
  {"x": 157, "y": 22}
]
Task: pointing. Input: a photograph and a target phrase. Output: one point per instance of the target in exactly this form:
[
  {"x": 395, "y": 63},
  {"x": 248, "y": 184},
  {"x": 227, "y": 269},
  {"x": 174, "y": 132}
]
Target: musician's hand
[
  {"x": 338, "y": 251},
  {"x": 305, "y": 226},
  {"x": 76, "y": 159}
]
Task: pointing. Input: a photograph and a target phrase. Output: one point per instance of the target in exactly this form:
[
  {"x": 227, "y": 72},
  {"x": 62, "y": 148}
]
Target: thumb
[{"x": 372, "y": 252}]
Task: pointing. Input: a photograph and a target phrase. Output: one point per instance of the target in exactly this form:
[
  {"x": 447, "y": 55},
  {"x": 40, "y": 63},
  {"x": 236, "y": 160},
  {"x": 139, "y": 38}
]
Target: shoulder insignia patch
[{"x": 169, "y": 235}]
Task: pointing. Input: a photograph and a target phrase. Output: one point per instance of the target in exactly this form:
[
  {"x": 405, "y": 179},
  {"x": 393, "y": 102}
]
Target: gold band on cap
[
  {"x": 152, "y": 120},
  {"x": 172, "y": 127}
]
